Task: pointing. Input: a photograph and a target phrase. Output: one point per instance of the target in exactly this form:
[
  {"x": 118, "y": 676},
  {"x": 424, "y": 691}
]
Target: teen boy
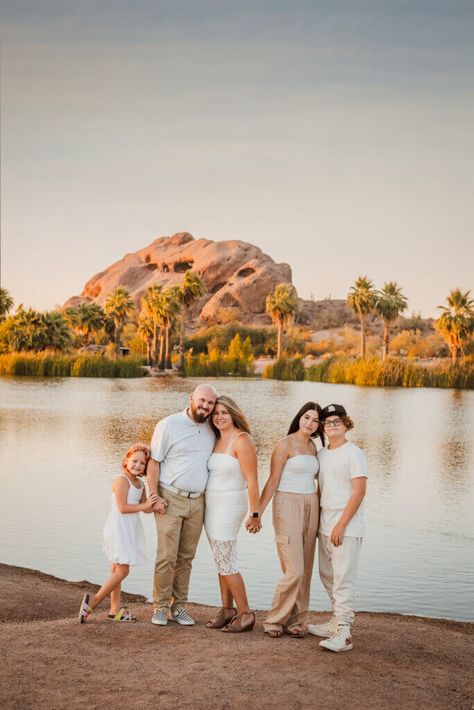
[{"x": 342, "y": 483}]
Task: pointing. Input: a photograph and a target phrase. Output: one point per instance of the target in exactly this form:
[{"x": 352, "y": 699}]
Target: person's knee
[{"x": 122, "y": 571}]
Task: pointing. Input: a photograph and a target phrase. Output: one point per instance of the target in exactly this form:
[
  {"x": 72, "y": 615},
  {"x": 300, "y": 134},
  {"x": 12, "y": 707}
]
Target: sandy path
[{"x": 51, "y": 661}]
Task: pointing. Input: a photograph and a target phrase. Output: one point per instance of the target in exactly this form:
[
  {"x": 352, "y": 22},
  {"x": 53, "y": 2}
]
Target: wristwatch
[{"x": 255, "y": 515}]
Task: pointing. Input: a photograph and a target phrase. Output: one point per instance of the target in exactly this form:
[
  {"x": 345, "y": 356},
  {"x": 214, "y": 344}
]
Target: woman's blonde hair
[
  {"x": 133, "y": 450},
  {"x": 238, "y": 417}
]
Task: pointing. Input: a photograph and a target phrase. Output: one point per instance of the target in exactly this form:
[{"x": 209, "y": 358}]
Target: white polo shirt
[
  {"x": 182, "y": 448},
  {"x": 337, "y": 468}
]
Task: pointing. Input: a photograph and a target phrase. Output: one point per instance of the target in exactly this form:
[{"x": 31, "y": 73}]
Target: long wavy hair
[
  {"x": 239, "y": 419},
  {"x": 295, "y": 424}
]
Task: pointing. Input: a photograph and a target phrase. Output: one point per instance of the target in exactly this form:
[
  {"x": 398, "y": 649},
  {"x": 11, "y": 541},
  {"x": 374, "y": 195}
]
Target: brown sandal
[
  {"x": 236, "y": 626},
  {"x": 295, "y": 632},
  {"x": 224, "y": 617},
  {"x": 274, "y": 633}
]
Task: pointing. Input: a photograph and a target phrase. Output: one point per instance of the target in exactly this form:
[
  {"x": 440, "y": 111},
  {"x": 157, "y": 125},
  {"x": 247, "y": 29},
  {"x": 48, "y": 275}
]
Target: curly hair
[{"x": 133, "y": 450}]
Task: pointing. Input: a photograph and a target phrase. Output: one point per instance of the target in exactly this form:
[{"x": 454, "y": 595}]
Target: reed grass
[
  {"x": 285, "y": 369},
  {"x": 203, "y": 366},
  {"x": 54, "y": 365},
  {"x": 393, "y": 372}
]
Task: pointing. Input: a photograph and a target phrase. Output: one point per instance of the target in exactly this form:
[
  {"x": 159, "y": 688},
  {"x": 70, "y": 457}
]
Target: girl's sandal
[
  {"x": 85, "y": 609},
  {"x": 122, "y": 615}
]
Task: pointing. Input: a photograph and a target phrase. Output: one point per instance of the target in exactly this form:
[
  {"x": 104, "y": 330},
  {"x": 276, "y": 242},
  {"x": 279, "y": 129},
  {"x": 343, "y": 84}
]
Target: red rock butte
[{"x": 238, "y": 275}]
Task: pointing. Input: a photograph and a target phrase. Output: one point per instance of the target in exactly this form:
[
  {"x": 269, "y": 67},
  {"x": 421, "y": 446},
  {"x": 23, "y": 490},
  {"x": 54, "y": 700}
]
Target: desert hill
[{"x": 238, "y": 277}]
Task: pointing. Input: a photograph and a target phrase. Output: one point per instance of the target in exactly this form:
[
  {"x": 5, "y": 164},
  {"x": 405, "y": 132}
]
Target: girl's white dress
[
  {"x": 124, "y": 538},
  {"x": 226, "y": 508}
]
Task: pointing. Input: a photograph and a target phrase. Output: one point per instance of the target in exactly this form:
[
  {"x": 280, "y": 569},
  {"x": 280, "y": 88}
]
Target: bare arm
[
  {"x": 247, "y": 456},
  {"x": 278, "y": 460},
  {"x": 120, "y": 488},
  {"x": 143, "y": 499},
  {"x": 359, "y": 486},
  {"x": 153, "y": 478}
]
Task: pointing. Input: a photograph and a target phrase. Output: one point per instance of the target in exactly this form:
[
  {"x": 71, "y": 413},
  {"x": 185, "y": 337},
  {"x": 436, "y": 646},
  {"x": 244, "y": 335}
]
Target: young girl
[{"x": 124, "y": 539}]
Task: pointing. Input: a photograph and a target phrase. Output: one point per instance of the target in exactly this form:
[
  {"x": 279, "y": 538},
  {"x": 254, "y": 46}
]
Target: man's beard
[{"x": 197, "y": 416}]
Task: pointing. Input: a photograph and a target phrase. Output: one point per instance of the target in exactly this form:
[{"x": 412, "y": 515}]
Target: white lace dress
[
  {"x": 226, "y": 508},
  {"x": 124, "y": 537}
]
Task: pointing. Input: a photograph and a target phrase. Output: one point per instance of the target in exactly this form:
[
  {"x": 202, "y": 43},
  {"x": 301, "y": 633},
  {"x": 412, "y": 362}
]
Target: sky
[{"x": 336, "y": 135}]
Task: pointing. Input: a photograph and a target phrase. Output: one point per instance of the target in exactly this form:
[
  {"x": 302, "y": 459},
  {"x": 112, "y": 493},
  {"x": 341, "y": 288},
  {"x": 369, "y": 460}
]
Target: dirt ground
[{"x": 51, "y": 661}]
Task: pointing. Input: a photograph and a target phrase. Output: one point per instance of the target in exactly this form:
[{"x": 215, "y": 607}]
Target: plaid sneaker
[
  {"x": 160, "y": 618},
  {"x": 182, "y": 617}
]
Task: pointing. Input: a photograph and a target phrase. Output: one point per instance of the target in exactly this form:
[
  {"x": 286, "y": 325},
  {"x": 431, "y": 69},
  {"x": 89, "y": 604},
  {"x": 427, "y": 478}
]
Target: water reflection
[{"x": 417, "y": 552}]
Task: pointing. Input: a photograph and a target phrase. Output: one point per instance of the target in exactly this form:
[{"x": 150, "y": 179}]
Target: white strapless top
[
  {"x": 299, "y": 474},
  {"x": 225, "y": 474}
]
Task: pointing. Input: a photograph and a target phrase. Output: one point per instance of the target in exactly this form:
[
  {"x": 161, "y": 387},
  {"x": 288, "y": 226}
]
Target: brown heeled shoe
[
  {"x": 236, "y": 626},
  {"x": 224, "y": 617}
]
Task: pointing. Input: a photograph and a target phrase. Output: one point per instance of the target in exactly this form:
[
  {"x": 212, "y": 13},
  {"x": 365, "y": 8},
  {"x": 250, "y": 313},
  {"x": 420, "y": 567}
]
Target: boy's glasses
[{"x": 332, "y": 423}]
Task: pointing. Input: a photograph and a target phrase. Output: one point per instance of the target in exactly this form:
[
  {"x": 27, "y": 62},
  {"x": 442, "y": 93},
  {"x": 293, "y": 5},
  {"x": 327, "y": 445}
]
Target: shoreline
[{"x": 50, "y": 660}]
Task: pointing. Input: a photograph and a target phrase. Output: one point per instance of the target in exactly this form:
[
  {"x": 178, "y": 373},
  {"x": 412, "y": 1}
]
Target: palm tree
[
  {"x": 361, "y": 298},
  {"x": 6, "y": 303},
  {"x": 282, "y": 305},
  {"x": 170, "y": 311},
  {"x": 190, "y": 291},
  {"x": 146, "y": 330},
  {"x": 153, "y": 309},
  {"x": 389, "y": 304},
  {"x": 456, "y": 322},
  {"x": 86, "y": 318},
  {"x": 56, "y": 332},
  {"x": 27, "y": 331},
  {"x": 119, "y": 306}
]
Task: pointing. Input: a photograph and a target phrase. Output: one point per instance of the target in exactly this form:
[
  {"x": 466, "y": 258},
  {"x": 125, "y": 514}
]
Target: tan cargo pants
[
  {"x": 178, "y": 532},
  {"x": 295, "y": 519}
]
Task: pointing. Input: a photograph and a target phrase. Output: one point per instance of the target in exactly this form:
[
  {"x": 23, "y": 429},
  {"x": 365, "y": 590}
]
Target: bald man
[{"x": 177, "y": 472}]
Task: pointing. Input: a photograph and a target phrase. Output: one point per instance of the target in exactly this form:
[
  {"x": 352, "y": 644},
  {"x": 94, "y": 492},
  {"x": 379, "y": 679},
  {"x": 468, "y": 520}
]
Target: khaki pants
[
  {"x": 295, "y": 519},
  {"x": 338, "y": 571},
  {"x": 178, "y": 532}
]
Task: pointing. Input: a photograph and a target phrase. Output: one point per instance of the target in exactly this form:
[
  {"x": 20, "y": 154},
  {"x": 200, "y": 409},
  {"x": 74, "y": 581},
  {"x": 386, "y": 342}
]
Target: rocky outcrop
[{"x": 238, "y": 276}]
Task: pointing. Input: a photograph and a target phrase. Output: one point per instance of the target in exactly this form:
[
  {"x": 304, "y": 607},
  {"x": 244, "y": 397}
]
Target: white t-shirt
[
  {"x": 337, "y": 468},
  {"x": 182, "y": 447}
]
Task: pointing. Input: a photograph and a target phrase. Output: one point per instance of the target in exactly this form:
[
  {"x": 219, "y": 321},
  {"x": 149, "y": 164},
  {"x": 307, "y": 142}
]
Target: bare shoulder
[
  {"x": 243, "y": 442},
  {"x": 283, "y": 446},
  {"x": 120, "y": 483}
]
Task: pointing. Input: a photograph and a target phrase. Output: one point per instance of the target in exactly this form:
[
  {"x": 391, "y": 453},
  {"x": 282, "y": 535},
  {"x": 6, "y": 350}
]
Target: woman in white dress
[
  {"x": 292, "y": 482},
  {"x": 232, "y": 490}
]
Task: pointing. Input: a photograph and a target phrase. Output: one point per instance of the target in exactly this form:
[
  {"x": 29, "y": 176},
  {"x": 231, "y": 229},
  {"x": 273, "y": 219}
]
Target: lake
[{"x": 61, "y": 442}]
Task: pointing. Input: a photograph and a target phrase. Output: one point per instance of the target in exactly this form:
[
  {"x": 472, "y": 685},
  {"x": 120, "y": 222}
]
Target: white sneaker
[
  {"x": 340, "y": 641},
  {"x": 182, "y": 617},
  {"x": 325, "y": 630},
  {"x": 160, "y": 618}
]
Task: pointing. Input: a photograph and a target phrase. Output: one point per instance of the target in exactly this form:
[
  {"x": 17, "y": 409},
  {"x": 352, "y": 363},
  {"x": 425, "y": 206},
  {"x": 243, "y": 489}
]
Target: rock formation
[{"x": 238, "y": 276}]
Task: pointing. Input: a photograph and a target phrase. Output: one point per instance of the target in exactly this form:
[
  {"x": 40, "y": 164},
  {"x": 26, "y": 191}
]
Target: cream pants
[{"x": 338, "y": 571}]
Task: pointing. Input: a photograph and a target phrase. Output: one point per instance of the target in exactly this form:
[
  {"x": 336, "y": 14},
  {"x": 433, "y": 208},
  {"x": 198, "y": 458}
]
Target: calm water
[{"x": 61, "y": 441}]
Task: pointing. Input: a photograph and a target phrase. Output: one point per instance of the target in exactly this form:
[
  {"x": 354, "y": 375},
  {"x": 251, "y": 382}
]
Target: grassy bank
[
  {"x": 54, "y": 365},
  {"x": 376, "y": 373}
]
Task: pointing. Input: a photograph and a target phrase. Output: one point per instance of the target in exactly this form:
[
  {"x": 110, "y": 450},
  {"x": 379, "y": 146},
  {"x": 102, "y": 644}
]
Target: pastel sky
[{"x": 335, "y": 135}]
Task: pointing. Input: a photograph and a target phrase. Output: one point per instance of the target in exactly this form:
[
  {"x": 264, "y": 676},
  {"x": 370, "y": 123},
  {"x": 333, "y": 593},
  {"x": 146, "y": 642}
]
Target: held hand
[
  {"x": 160, "y": 505},
  {"x": 151, "y": 500},
  {"x": 253, "y": 525},
  {"x": 337, "y": 534}
]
